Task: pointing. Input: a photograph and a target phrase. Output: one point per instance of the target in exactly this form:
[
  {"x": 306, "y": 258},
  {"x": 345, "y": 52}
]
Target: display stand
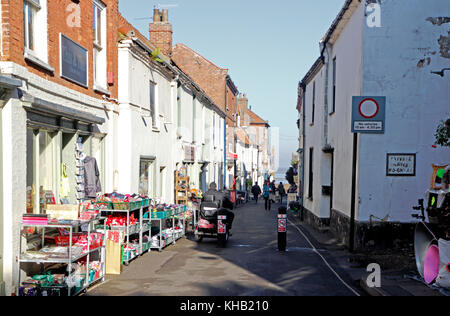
[
  {"x": 137, "y": 229},
  {"x": 181, "y": 188},
  {"x": 71, "y": 259},
  {"x": 159, "y": 217}
]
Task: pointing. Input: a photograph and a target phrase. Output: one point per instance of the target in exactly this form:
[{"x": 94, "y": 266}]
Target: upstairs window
[
  {"x": 313, "y": 112},
  {"x": 30, "y": 10},
  {"x": 99, "y": 53}
]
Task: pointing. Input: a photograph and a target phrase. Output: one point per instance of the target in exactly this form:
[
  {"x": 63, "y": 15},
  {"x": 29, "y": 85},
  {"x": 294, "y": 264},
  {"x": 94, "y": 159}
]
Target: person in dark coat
[
  {"x": 282, "y": 191},
  {"x": 256, "y": 191}
]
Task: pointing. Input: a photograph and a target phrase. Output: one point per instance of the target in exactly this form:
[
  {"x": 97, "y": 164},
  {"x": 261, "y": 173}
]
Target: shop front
[{"x": 59, "y": 142}]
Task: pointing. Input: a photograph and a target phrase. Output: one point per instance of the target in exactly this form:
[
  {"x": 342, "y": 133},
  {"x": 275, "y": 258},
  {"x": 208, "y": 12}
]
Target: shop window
[
  {"x": 51, "y": 174},
  {"x": 99, "y": 37}
]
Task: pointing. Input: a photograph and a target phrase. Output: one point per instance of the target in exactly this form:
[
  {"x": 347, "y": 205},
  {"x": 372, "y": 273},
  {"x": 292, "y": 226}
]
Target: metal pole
[{"x": 353, "y": 194}]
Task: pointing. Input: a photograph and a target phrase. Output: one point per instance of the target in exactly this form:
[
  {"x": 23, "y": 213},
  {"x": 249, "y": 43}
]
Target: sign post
[{"x": 368, "y": 117}]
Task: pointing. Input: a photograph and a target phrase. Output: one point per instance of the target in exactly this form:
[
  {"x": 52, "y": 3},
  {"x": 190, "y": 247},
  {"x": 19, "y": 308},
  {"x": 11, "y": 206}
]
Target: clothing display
[{"x": 92, "y": 184}]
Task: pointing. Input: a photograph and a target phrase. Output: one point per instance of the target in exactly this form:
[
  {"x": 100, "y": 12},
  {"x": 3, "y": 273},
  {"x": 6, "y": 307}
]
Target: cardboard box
[{"x": 67, "y": 212}]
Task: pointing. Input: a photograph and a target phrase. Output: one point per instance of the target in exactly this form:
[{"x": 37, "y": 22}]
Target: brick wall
[{"x": 13, "y": 43}]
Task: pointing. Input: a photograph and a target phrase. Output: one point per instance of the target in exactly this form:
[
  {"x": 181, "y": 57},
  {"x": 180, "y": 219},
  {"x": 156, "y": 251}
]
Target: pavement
[{"x": 250, "y": 265}]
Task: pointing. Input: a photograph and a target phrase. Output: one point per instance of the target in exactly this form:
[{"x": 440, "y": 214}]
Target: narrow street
[{"x": 249, "y": 266}]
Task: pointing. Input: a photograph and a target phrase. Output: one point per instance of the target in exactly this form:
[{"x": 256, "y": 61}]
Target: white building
[
  {"x": 385, "y": 50},
  {"x": 165, "y": 122}
]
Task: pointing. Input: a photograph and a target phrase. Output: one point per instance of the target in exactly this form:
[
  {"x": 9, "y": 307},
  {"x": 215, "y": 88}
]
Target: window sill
[
  {"x": 156, "y": 129},
  {"x": 332, "y": 113},
  {"x": 31, "y": 57},
  {"x": 98, "y": 88}
]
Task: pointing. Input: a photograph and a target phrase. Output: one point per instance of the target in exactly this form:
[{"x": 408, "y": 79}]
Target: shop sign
[
  {"x": 74, "y": 61},
  {"x": 368, "y": 115},
  {"x": 401, "y": 165}
]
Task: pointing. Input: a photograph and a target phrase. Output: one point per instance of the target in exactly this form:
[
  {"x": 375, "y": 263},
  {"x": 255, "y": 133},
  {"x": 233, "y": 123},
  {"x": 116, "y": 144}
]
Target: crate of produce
[
  {"x": 121, "y": 206},
  {"x": 64, "y": 241}
]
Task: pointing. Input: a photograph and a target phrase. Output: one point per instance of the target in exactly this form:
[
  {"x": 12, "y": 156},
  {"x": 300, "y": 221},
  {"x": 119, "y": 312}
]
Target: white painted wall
[{"x": 416, "y": 102}]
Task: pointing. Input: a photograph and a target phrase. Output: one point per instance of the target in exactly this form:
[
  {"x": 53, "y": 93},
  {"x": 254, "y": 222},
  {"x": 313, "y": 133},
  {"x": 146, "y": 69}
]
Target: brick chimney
[
  {"x": 161, "y": 31},
  {"x": 243, "y": 109}
]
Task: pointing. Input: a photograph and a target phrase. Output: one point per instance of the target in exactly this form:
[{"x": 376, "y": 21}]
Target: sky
[{"x": 268, "y": 47}]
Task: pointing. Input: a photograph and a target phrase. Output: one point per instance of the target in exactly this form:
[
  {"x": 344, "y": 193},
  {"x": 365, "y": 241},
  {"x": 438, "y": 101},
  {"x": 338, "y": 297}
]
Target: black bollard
[{"x": 282, "y": 228}]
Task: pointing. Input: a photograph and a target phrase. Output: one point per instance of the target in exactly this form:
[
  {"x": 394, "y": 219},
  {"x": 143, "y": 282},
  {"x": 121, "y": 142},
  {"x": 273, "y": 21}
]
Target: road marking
[{"x": 324, "y": 260}]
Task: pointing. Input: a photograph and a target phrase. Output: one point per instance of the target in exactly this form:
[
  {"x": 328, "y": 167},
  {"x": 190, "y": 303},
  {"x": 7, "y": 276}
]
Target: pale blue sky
[{"x": 268, "y": 46}]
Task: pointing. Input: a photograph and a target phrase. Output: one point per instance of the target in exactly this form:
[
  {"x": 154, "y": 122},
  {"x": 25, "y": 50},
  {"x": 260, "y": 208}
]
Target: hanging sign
[{"x": 368, "y": 115}]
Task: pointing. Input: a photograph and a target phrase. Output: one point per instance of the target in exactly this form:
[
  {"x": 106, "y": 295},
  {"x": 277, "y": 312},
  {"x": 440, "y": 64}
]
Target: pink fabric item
[
  {"x": 205, "y": 224},
  {"x": 432, "y": 264}
]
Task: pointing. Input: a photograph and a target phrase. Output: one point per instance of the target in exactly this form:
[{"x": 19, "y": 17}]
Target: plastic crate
[
  {"x": 145, "y": 202},
  {"x": 135, "y": 204},
  {"x": 120, "y": 206}
]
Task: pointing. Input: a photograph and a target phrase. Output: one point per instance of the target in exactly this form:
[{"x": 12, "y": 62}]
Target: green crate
[
  {"x": 120, "y": 205},
  {"x": 134, "y": 205},
  {"x": 145, "y": 202}
]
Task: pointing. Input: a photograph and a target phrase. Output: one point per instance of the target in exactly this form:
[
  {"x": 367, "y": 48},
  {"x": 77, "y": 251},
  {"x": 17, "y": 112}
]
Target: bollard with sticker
[{"x": 282, "y": 228}]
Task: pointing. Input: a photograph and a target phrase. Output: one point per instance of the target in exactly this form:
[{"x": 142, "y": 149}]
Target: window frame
[
  {"x": 99, "y": 46},
  {"x": 153, "y": 104},
  {"x": 313, "y": 109},
  {"x": 36, "y": 7}
]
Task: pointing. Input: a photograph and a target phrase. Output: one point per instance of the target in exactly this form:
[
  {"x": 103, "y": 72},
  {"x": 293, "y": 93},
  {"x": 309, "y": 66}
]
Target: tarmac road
[{"x": 249, "y": 266}]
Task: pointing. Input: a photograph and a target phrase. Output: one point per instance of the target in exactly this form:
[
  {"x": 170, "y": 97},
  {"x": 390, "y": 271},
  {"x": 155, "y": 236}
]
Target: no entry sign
[{"x": 369, "y": 115}]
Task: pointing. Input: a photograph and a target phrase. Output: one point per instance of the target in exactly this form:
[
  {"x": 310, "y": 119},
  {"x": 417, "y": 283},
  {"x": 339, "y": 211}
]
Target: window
[
  {"x": 147, "y": 178},
  {"x": 30, "y": 9},
  {"x": 153, "y": 105},
  {"x": 50, "y": 160},
  {"x": 99, "y": 38},
  {"x": 313, "y": 112},
  {"x": 311, "y": 174},
  {"x": 333, "y": 109}
]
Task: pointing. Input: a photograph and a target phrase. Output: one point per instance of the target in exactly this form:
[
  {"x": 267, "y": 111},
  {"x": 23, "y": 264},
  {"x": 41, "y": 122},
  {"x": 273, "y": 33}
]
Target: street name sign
[{"x": 368, "y": 115}]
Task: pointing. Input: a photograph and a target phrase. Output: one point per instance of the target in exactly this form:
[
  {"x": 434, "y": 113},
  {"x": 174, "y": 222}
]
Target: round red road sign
[{"x": 369, "y": 108}]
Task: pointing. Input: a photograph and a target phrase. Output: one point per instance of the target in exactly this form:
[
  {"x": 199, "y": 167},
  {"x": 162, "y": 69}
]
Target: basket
[
  {"x": 145, "y": 202},
  {"x": 135, "y": 204}
]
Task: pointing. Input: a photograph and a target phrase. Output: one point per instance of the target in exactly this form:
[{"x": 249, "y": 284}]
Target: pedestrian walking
[
  {"x": 267, "y": 192},
  {"x": 256, "y": 191},
  {"x": 282, "y": 192},
  {"x": 273, "y": 190}
]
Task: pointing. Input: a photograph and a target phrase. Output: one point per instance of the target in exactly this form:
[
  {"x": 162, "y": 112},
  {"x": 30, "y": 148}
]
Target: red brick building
[{"x": 58, "y": 83}]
